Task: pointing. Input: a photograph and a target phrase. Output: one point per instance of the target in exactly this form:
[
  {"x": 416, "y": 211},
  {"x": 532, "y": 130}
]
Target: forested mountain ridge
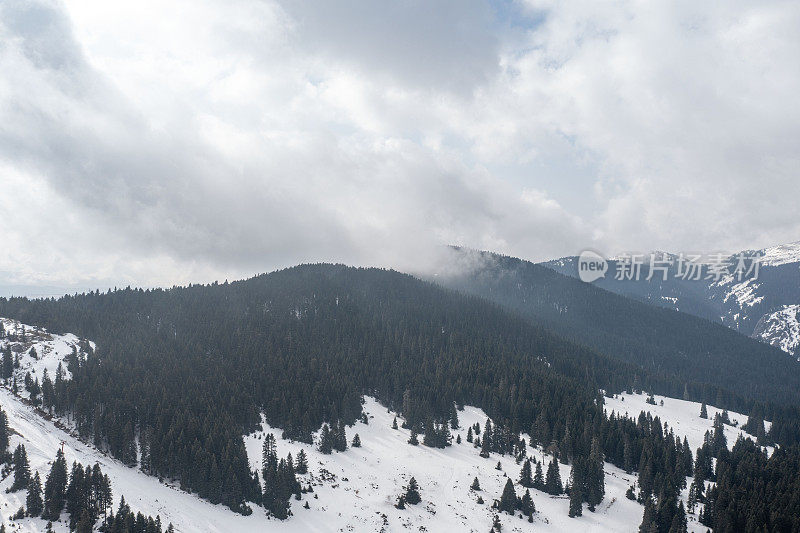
[
  {"x": 189, "y": 370},
  {"x": 711, "y": 362},
  {"x": 179, "y": 376},
  {"x": 764, "y": 307}
]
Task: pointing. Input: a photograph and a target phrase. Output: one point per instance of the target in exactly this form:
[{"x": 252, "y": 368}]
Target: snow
[
  {"x": 50, "y": 350},
  {"x": 377, "y": 472},
  {"x": 354, "y": 490},
  {"x": 781, "y": 254},
  {"x": 744, "y": 292},
  {"x": 681, "y": 415},
  {"x": 781, "y": 329}
]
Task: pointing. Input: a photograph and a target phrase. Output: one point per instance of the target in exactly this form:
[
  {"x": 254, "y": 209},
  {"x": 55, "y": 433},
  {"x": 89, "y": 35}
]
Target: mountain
[
  {"x": 710, "y": 362},
  {"x": 354, "y": 490},
  {"x": 763, "y": 307},
  {"x": 182, "y": 374},
  {"x": 186, "y": 386}
]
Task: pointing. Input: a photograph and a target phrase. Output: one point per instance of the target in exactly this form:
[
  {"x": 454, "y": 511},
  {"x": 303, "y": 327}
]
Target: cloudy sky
[{"x": 154, "y": 143}]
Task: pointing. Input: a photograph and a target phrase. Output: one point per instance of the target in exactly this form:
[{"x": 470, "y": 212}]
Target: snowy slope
[
  {"x": 354, "y": 490},
  {"x": 781, "y": 254},
  {"x": 745, "y": 305},
  {"x": 682, "y": 416},
  {"x": 39, "y": 351},
  {"x": 781, "y": 328}
]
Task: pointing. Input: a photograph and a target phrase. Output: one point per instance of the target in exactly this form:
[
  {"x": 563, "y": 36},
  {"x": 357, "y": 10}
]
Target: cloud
[{"x": 188, "y": 141}]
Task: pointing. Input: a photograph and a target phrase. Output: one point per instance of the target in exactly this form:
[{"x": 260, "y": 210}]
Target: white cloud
[{"x": 192, "y": 140}]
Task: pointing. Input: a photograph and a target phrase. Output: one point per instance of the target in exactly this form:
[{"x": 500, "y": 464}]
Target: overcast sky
[{"x": 167, "y": 142}]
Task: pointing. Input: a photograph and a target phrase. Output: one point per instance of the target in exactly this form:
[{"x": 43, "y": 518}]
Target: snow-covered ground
[
  {"x": 682, "y": 416},
  {"x": 781, "y": 329},
  {"x": 356, "y": 490},
  {"x": 38, "y": 351},
  {"x": 781, "y": 254}
]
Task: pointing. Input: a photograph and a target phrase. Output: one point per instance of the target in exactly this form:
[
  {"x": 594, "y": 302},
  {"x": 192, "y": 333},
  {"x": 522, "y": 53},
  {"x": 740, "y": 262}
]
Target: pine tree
[
  {"x": 75, "y": 496},
  {"x": 595, "y": 476},
  {"x": 575, "y": 501},
  {"x": 413, "y": 440},
  {"x": 703, "y": 411},
  {"x": 538, "y": 477},
  {"x": 679, "y": 523},
  {"x": 8, "y": 363},
  {"x": 302, "y": 463},
  {"x": 577, "y": 482},
  {"x": 356, "y": 441},
  {"x": 411, "y": 495},
  {"x": 453, "y": 417},
  {"x": 486, "y": 442},
  {"x": 22, "y": 470},
  {"x": 469, "y": 434},
  {"x": 325, "y": 440},
  {"x": 3, "y": 435},
  {"x": 508, "y": 500},
  {"x": 340, "y": 437},
  {"x": 33, "y": 501},
  {"x": 394, "y": 423},
  {"x": 692, "y": 498},
  {"x": 475, "y": 484},
  {"x": 648, "y": 524},
  {"x": 85, "y": 524},
  {"x": 525, "y": 478},
  {"x": 552, "y": 484},
  {"x": 55, "y": 488},
  {"x": 526, "y": 504}
]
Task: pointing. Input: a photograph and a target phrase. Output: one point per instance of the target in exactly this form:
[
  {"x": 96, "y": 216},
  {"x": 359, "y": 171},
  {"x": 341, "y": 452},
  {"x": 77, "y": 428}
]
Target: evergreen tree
[
  {"x": 356, "y": 441},
  {"x": 413, "y": 440},
  {"x": 552, "y": 484},
  {"x": 679, "y": 523},
  {"x": 595, "y": 476},
  {"x": 525, "y": 477},
  {"x": 703, "y": 411},
  {"x": 394, "y": 423},
  {"x": 508, "y": 500},
  {"x": 411, "y": 495},
  {"x": 33, "y": 501},
  {"x": 75, "y": 494},
  {"x": 339, "y": 437},
  {"x": 575, "y": 501},
  {"x": 648, "y": 524},
  {"x": 453, "y": 417},
  {"x": 691, "y": 500},
  {"x": 55, "y": 488},
  {"x": 475, "y": 484},
  {"x": 526, "y": 504},
  {"x": 22, "y": 470},
  {"x": 577, "y": 482},
  {"x": 538, "y": 477},
  {"x": 302, "y": 463},
  {"x": 326, "y": 440},
  {"x": 8, "y": 363}
]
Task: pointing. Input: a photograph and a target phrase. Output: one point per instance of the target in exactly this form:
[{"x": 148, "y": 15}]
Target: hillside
[
  {"x": 356, "y": 490},
  {"x": 661, "y": 341},
  {"x": 764, "y": 307}
]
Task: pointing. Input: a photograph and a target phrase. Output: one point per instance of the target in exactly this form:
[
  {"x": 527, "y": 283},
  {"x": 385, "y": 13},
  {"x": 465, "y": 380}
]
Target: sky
[{"x": 154, "y": 143}]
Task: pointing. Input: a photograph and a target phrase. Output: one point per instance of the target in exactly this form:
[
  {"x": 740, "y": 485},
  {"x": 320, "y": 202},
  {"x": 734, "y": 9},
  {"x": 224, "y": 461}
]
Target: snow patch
[{"x": 781, "y": 329}]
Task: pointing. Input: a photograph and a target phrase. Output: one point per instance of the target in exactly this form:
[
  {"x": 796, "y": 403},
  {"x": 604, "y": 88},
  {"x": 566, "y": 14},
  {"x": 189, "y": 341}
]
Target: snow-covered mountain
[
  {"x": 354, "y": 490},
  {"x": 763, "y": 307}
]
